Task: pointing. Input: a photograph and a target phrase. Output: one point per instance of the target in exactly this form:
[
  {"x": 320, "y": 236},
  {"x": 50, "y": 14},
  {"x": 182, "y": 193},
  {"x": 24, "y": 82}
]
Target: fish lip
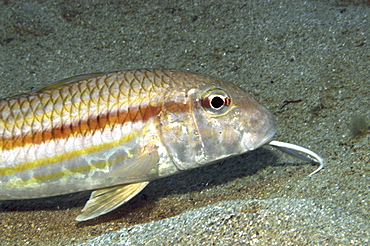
[
  {"x": 260, "y": 139},
  {"x": 271, "y": 129},
  {"x": 269, "y": 135}
]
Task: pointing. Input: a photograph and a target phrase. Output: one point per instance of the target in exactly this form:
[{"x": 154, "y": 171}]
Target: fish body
[{"x": 113, "y": 133}]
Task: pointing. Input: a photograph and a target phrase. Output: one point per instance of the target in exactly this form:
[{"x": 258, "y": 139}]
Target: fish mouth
[
  {"x": 269, "y": 135},
  {"x": 261, "y": 136}
]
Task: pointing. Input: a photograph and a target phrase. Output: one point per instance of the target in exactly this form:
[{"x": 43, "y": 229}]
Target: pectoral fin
[
  {"x": 105, "y": 200},
  {"x": 141, "y": 166}
]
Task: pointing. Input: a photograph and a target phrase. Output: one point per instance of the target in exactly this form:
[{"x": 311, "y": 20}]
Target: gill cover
[{"x": 179, "y": 131}]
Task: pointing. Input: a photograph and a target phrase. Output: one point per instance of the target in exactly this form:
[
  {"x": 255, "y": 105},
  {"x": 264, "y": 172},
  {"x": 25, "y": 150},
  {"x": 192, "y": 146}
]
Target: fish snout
[{"x": 261, "y": 130}]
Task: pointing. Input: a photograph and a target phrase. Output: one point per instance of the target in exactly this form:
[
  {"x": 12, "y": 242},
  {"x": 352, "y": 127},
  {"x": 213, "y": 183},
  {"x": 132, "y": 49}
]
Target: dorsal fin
[{"x": 69, "y": 81}]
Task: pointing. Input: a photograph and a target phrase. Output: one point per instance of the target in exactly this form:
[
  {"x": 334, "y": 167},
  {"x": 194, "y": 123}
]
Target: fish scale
[
  {"x": 72, "y": 111},
  {"x": 113, "y": 133}
]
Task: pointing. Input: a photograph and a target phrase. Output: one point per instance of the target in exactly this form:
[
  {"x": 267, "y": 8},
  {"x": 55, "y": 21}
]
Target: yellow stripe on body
[
  {"x": 67, "y": 172},
  {"x": 62, "y": 157}
]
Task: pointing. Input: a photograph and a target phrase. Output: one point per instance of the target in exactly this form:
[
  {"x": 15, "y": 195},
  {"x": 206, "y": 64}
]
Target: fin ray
[{"x": 107, "y": 199}]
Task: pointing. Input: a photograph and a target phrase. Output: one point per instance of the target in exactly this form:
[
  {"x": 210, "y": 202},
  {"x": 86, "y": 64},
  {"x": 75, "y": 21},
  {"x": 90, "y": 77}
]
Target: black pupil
[{"x": 217, "y": 102}]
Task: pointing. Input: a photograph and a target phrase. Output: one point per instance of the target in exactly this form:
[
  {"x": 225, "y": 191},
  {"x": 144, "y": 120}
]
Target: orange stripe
[{"x": 83, "y": 127}]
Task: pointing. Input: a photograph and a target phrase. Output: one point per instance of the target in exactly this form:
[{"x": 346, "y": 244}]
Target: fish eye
[{"x": 216, "y": 101}]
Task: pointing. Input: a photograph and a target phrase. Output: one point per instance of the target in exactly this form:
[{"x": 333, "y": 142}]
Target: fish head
[
  {"x": 230, "y": 122},
  {"x": 222, "y": 121}
]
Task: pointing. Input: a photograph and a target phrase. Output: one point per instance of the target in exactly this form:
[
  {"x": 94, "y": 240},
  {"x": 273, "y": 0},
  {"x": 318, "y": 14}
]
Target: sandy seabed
[{"x": 313, "y": 53}]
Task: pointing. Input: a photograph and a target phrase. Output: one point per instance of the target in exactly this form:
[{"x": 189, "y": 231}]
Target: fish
[{"x": 113, "y": 133}]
